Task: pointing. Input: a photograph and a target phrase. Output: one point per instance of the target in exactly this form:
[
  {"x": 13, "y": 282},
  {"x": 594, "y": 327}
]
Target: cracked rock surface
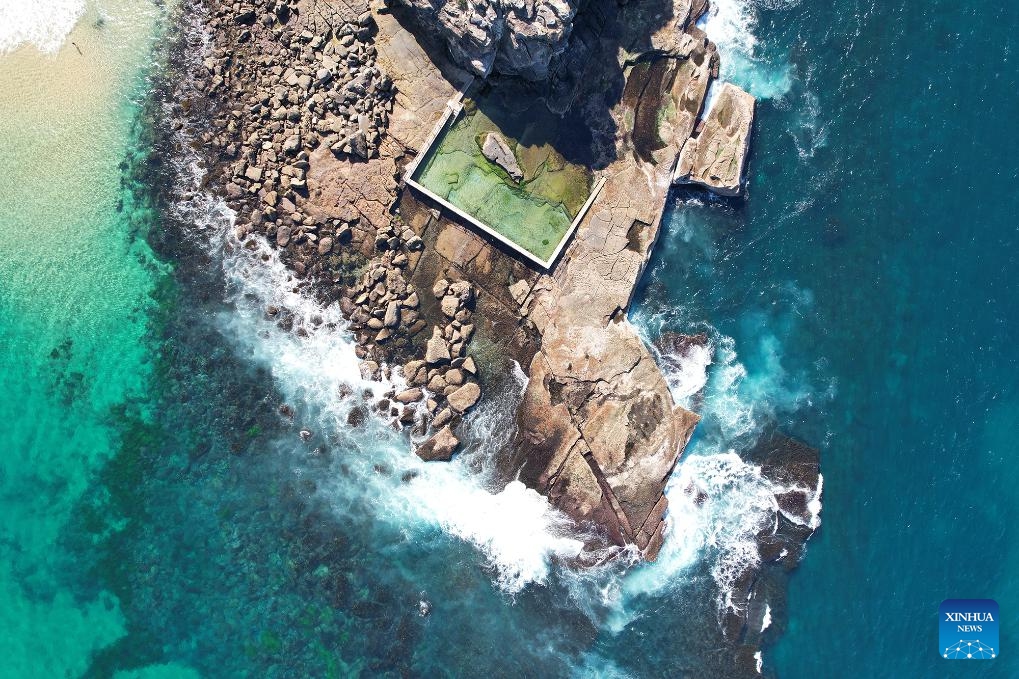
[{"x": 716, "y": 156}]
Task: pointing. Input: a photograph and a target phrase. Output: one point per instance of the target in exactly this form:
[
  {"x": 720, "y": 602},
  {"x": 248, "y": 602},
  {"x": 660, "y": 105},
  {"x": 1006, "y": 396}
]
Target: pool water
[{"x": 535, "y": 213}]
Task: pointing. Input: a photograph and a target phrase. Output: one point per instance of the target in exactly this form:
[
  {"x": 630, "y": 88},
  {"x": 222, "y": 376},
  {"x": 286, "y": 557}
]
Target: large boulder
[
  {"x": 440, "y": 447},
  {"x": 464, "y": 397},
  {"x": 513, "y": 37},
  {"x": 716, "y": 156}
]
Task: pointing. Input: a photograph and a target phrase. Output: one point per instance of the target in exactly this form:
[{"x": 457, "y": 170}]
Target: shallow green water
[{"x": 74, "y": 299}]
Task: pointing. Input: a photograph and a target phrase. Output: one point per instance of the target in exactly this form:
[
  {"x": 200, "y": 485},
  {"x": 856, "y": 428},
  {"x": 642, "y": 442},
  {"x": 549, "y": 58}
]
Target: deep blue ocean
[{"x": 164, "y": 518}]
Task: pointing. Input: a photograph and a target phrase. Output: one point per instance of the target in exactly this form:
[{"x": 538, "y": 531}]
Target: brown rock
[
  {"x": 409, "y": 395},
  {"x": 436, "y": 352},
  {"x": 465, "y": 397},
  {"x": 450, "y": 305},
  {"x": 392, "y": 318},
  {"x": 437, "y": 383},
  {"x": 443, "y": 418},
  {"x": 715, "y": 158},
  {"x": 283, "y": 236},
  {"x": 440, "y": 446}
]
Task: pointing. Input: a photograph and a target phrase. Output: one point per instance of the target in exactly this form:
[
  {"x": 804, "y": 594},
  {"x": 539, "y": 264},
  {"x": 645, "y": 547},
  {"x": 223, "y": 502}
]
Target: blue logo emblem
[{"x": 968, "y": 629}]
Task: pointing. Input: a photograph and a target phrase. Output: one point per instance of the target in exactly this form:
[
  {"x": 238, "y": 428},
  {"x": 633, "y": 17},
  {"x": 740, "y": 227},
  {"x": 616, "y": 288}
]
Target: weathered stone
[
  {"x": 498, "y": 151},
  {"x": 409, "y": 395},
  {"x": 440, "y": 446},
  {"x": 292, "y": 144},
  {"x": 465, "y": 397},
  {"x": 519, "y": 291},
  {"x": 511, "y": 38},
  {"x": 450, "y": 305},
  {"x": 283, "y": 236},
  {"x": 442, "y": 418},
  {"x": 436, "y": 352},
  {"x": 392, "y": 318},
  {"x": 437, "y": 383},
  {"x": 440, "y": 288},
  {"x": 411, "y": 367},
  {"x": 462, "y": 290},
  {"x": 715, "y": 158},
  {"x": 325, "y": 246}
]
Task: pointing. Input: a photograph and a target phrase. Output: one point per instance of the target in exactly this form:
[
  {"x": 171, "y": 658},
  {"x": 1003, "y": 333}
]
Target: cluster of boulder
[
  {"x": 385, "y": 315},
  {"x": 292, "y": 84},
  {"x": 283, "y": 81}
]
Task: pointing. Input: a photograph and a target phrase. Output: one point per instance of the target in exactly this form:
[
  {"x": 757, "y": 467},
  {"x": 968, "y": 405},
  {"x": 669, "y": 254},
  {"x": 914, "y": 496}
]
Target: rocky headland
[{"x": 309, "y": 114}]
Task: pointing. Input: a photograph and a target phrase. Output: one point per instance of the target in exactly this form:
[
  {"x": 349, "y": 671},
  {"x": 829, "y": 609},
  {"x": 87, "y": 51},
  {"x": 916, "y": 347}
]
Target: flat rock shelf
[{"x": 534, "y": 209}]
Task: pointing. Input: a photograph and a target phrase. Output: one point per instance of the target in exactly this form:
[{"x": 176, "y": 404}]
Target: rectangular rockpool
[{"x": 533, "y": 208}]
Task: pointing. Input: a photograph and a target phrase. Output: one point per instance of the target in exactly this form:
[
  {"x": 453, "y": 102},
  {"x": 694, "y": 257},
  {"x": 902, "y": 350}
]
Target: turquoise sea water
[{"x": 164, "y": 518}]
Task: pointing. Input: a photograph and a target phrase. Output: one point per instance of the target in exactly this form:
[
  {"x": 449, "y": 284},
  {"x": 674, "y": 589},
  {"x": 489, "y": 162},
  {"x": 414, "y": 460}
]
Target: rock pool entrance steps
[{"x": 599, "y": 433}]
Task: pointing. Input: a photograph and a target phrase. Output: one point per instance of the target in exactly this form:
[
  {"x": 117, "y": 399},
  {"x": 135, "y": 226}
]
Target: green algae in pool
[{"x": 536, "y": 212}]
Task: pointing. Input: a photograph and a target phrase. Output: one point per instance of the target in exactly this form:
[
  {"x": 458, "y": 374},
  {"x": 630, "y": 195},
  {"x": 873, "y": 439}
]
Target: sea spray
[
  {"x": 730, "y": 25},
  {"x": 315, "y": 368}
]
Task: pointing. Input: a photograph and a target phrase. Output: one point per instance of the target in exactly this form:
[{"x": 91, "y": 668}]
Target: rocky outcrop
[
  {"x": 296, "y": 112},
  {"x": 498, "y": 151},
  {"x": 716, "y": 155},
  {"x": 597, "y": 429},
  {"x": 314, "y": 112},
  {"x": 512, "y": 37}
]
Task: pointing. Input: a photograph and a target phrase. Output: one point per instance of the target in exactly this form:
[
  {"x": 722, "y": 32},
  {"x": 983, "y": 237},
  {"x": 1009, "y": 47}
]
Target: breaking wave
[
  {"x": 730, "y": 24},
  {"x": 314, "y": 367},
  {"x": 43, "y": 23},
  {"x": 718, "y": 501}
]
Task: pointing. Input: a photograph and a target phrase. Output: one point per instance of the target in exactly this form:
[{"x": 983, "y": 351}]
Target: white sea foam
[
  {"x": 717, "y": 506},
  {"x": 688, "y": 374},
  {"x": 518, "y": 531},
  {"x": 730, "y": 24},
  {"x": 516, "y": 528},
  {"x": 315, "y": 369},
  {"x": 43, "y": 23},
  {"x": 766, "y": 620}
]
